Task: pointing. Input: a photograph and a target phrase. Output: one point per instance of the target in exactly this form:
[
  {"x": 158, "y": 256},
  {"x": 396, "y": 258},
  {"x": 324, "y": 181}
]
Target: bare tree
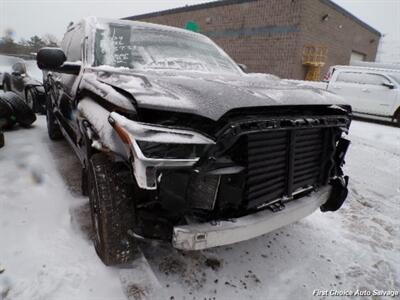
[
  {"x": 7, "y": 44},
  {"x": 25, "y": 47},
  {"x": 50, "y": 40},
  {"x": 35, "y": 43}
]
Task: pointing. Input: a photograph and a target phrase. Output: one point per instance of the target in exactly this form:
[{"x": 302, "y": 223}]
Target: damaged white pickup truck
[{"x": 177, "y": 143}]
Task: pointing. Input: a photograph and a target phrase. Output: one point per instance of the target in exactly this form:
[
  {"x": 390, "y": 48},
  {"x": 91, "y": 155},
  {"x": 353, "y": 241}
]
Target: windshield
[{"x": 140, "y": 48}]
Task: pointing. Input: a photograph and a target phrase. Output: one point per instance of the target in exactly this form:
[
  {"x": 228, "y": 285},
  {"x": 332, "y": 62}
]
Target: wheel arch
[
  {"x": 94, "y": 131},
  {"x": 86, "y": 131},
  {"x": 396, "y": 114},
  {"x": 87, "y": 102}
]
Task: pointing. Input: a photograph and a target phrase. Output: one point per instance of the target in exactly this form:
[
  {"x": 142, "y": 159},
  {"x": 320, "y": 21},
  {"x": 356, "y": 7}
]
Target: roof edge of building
[
  {"x": 232, "y": 2},
  {"x": 349, "y": 14},
  {"x": 188, "y": 8}
]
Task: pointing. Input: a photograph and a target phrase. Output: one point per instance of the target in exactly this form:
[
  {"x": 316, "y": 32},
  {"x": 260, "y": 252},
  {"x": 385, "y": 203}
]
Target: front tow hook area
[{"x": 338, "y": 194}]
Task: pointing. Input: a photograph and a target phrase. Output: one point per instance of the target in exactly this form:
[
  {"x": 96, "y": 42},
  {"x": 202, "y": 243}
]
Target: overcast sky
[{"x": 30, "y": 17}]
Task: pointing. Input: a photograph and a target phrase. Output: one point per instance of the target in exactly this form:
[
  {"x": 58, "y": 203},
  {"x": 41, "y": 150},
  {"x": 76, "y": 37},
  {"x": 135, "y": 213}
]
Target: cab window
[
  {"x": 374, "y": 79},
  {"x": 74, "y": 52},
  {"x": 362, "y": 78},
  {"x": 66, "y": 41},
  {"x": 72, "y": 44},
  {"x": 349, "y": 77}
]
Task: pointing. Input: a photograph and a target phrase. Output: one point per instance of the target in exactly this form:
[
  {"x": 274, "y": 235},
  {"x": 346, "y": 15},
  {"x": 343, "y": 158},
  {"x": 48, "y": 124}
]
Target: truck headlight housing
[
  {"x": 170, "y": 150},
  {"x": 160, "y": 142}
]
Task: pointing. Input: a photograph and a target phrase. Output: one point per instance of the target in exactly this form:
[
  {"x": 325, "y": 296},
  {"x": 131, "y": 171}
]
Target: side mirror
[
  {"x": 50, "y": 58},
  {"x": 243, "y": 67},
  {"x": 389, "y": 85},
  {"x": 54, "y": 59}
]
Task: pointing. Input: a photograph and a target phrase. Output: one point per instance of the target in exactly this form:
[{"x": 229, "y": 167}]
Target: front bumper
[{"x": 208, "y": 235}]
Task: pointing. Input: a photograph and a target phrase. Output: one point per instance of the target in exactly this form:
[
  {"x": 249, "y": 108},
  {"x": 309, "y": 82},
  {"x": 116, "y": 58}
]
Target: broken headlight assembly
[
  {"x": 170, "y": 150},
  {"x": 154, "y": 147}
]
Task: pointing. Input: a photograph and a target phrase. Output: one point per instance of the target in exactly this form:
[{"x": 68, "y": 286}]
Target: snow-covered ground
[{"x": 46, "y": 252}]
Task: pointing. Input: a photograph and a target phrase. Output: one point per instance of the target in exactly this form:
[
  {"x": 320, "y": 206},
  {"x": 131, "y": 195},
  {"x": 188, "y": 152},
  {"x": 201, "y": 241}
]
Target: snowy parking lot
[{"x": 46, "y": 252}]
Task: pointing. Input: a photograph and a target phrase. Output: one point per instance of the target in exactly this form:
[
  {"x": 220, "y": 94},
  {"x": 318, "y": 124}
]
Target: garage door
[{"x": 356, "y": 56}]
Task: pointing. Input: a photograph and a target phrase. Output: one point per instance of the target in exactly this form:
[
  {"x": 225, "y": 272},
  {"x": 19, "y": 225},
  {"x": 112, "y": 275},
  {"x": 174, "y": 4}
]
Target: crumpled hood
[{"x": 211, "y": 95}]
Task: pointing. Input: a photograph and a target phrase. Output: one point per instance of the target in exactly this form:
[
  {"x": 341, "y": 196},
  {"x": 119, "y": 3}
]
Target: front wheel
[{"x": 112, "y": 210}]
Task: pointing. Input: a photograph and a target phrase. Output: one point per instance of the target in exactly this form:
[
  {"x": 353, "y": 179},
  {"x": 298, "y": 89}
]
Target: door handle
[{"x": 365, "y": 90}]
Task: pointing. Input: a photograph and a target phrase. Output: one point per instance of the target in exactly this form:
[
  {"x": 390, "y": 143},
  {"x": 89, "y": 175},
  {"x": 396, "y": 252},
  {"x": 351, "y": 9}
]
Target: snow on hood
[
  {"x": 90, "y": 82},
  {"x": 210, "y": 95}
]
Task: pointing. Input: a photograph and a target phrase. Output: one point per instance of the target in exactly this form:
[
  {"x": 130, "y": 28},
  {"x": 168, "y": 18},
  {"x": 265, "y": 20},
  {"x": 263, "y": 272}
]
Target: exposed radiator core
[{"x": 283, "y": 161}]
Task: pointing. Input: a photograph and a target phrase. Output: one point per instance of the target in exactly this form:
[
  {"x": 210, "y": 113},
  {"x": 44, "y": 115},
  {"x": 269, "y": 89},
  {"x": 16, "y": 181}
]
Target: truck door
[
  {"x": 59, "y": 89},
  {"x": 72, "y": 47},
  {"x": 346, "y": 84},
  {"x": 378, "y": 94}
]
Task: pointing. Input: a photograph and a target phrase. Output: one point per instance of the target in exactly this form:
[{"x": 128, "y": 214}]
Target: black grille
[
  {"x": 282, "y": 161},
  {"x": 308, "y": 149}
]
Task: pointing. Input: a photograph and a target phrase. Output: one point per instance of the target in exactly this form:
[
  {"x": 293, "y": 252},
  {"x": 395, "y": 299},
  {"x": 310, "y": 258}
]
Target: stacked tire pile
[{"x": 13, "y": 110}]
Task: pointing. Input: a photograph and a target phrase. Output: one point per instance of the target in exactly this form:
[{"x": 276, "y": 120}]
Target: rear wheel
[
  {"x": 6, "y": 86},
  {"x": 33, "y": 98},
  {"x": 53, "y": 129},
  {"x": 112, "y": 210},
  {"x": 398, "y": 119}
]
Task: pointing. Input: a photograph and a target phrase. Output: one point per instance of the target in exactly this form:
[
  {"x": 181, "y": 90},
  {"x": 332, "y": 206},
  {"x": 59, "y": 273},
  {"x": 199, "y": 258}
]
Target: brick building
[{"x": 269, "y": 35}]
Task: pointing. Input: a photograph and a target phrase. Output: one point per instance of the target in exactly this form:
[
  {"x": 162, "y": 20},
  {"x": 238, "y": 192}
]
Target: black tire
[
  {"x": 24, "y": 115},
  {"x": 7, "y": 116},
  {"x": 31, "y": 99},
  {"x": 112, "y": 210},
  {"x": 34, "y": 100},
  {"x": 6, "y": 86},
  {"x": 53, "y": 129},
  {"x": 41, "y": 100},
  {"x": 397, "y": 122}
]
